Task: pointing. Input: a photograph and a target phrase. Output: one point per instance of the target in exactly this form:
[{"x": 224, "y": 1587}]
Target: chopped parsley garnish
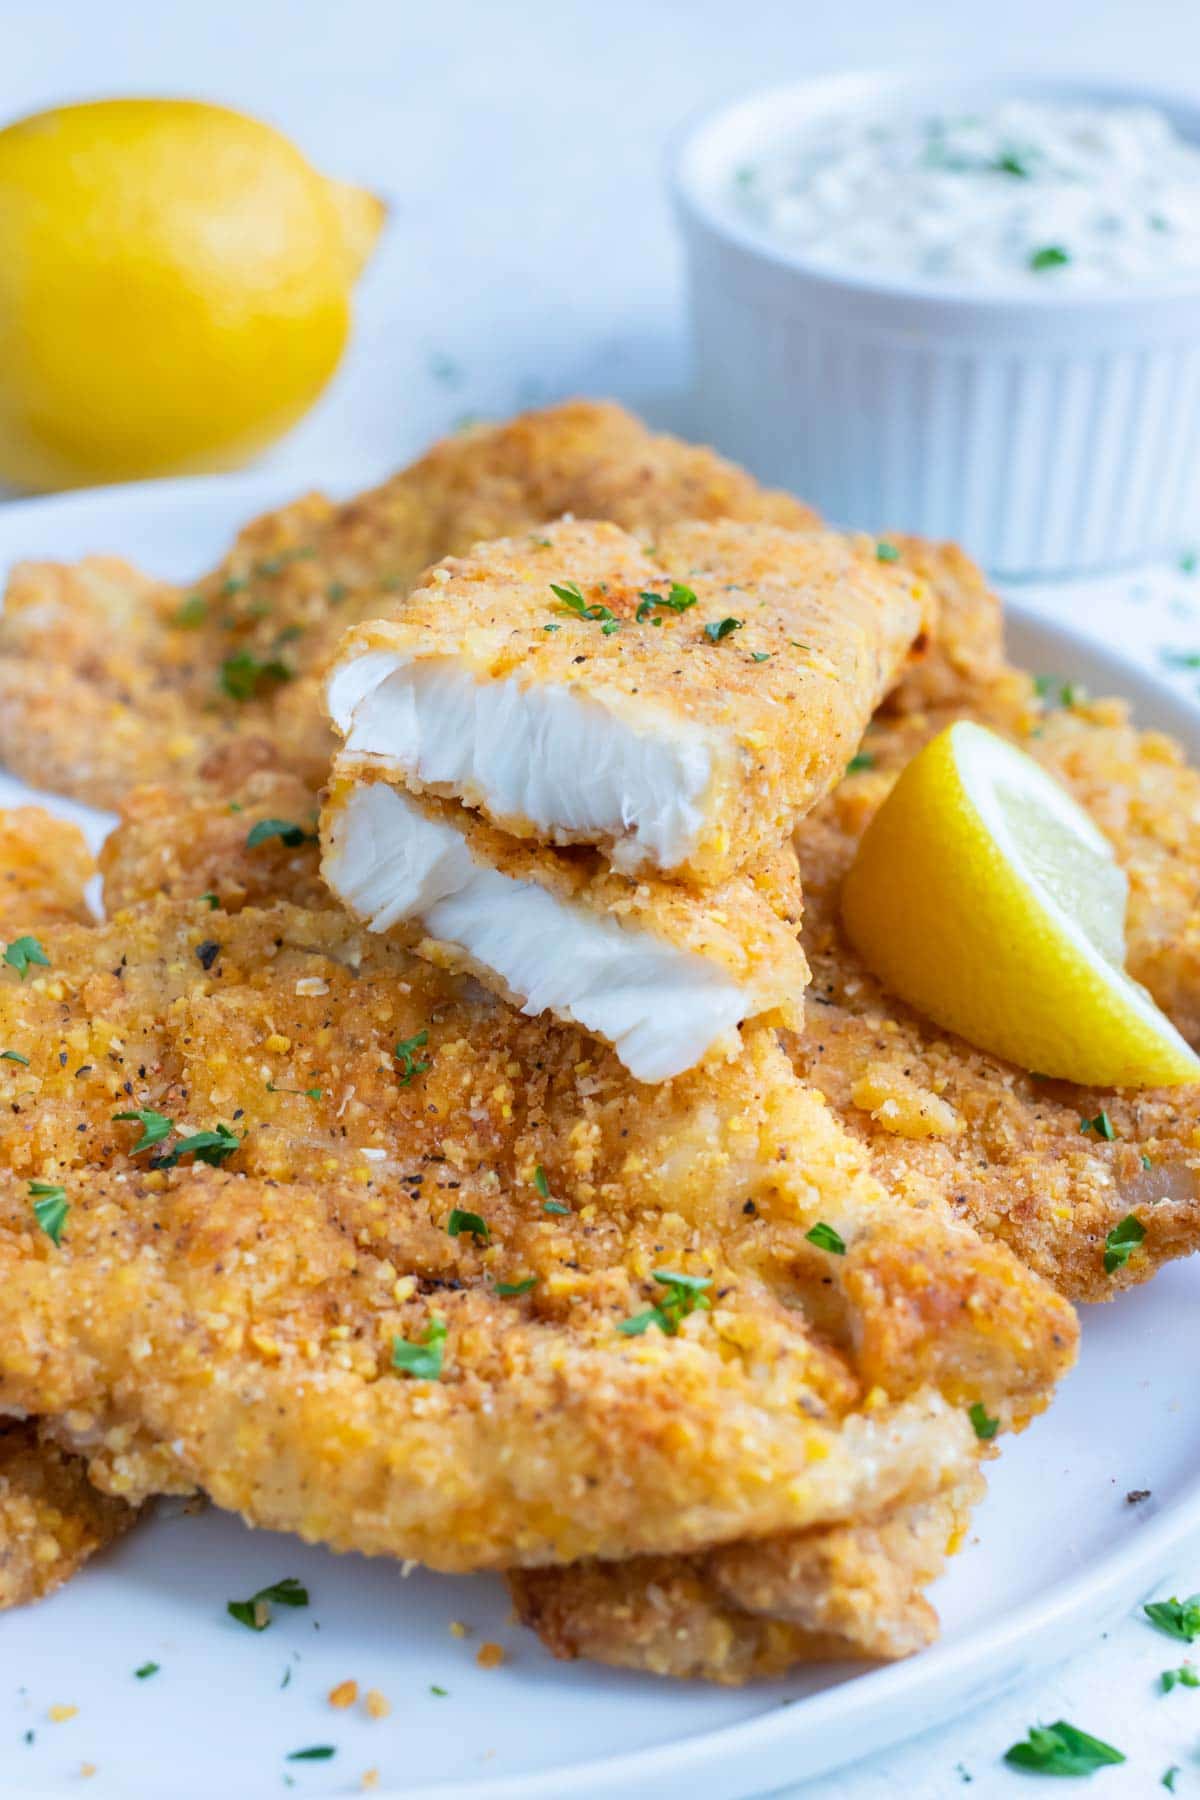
[
  {"x": 192, "y": 613},
  {"x": 146, "y": 1670},
  {"x": 1055, "y": 691},
  {"x": 313, "y": 1093},
  {"x": 678, "y": 600},
  {"x": 1184, "y": 1676},
  {"x": 508, "y": 1290},
  {"x": 211, "y": 901},
  {"x": 472, "y": 1223},
  {"x": 885, "y": 552},
  {"x": 406, "y": 1055},
  {"x": 336, "y": 592},
  {"x": 826, "y": 1238},
  {"x": 1102, "y": 1125},
  {"x": 1189, "y": 562},
  {"x": 555, "y": 1206},
  {"x": 718, "y": 629},
  {"x": 684, "y": 1294},
  {"x": 572, "y": 598},
  {"x": 211, "y": 1147},
  {"x": 244, "y": 676},
  {"x": 314, "y": 1753},
  {"x": 862, "y": 759},
  {"x": 14, "y": 1056},
  {"x": 50, "y": 1208},
  {"x": 422, "y": 1360},
  {"x": 1011, "y": 162},
  {"x": 22, "y": 952},
  {"x": 541, "y": 1182},
  {"x": 291, "y": 834},
  {"x": 1050, "y": 256},
  {"x": 1147, "y": 1160},
  {"x": 1181, "y": 659},
  {"x": 984, "y": 1427},
  {"x": 1061, "y": 1749},
  {"x": 760, "y": 656},
  {"x": 1168, "y": 1780},
  {"x": 441, "y": 1692},
  {"x": 155, "y": 1127},
  {"x": 1122, "y": 1241},
  {"x": 1178, "y": 1618},
  {"x": 255, "y": 1613}
]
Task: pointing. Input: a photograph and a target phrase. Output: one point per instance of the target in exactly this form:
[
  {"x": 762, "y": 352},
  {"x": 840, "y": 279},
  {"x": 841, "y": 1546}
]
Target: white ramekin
[{"x": 1049, "y": 433}]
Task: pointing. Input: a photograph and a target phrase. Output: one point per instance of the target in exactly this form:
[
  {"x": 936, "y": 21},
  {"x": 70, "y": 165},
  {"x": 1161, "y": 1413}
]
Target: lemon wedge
[{"x": 986, "y": 898}]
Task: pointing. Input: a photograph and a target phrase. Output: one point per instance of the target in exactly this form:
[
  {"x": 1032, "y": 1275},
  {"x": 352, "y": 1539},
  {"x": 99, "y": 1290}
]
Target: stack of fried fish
[{"x": 496, "y": 1201}]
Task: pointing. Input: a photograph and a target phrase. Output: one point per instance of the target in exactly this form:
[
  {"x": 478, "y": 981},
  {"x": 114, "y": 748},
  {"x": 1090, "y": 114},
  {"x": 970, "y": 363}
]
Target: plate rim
[{"x": 910, "y": 1697}]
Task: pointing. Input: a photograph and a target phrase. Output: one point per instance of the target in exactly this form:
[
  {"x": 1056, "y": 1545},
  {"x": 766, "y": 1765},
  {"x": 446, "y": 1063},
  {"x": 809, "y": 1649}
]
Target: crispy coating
[
  {"x": 817, "y": 629},
  {"x": 45, "y": 866},
  {"x": 109, "y": 678},
  {"x": 964, "y": 644},
  {"x": 52, "y": 1519},
  {"x": 232, "y": 1328},
  {"x": 184, "y": 843},
  {"x": 1006, "y": 1148},
  {"x": 745, "y": 929},
  {"x": 748, "y": 1612}
]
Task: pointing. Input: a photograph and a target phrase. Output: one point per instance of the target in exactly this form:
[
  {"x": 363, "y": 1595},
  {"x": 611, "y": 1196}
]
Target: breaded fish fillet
[
  {"x": 664, "y": 975},
  {"x": 396, "y": 1154},
  {"x": 679, "y": 706},
  {"x": 109, "y": 678},
  {"x": 747, "y": 1612}
]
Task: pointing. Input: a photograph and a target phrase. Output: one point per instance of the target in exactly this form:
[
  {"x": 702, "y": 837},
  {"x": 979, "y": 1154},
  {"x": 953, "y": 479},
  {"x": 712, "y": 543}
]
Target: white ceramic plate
[{"x": 1056, "y": 1548}]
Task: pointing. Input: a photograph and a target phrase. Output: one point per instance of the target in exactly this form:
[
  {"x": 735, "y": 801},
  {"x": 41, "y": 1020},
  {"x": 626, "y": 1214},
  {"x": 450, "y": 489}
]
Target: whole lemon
[{"x": 174, "y": 289}]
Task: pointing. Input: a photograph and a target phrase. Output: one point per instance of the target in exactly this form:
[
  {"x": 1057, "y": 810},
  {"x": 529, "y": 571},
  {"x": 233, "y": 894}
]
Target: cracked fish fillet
[
  {"x": 678, "y": 706},
  {"x": 109, "y": 678},
  {"x": 402, "y": 1146},
  {"x": 663, "y": 975}
]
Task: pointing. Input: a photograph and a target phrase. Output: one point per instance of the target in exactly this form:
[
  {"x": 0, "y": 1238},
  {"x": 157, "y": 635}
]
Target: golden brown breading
[
  {"x": 684, "y": 738},
  {"x": 965, "y": 637},
  {"x": 181, "y": 843},
  {"x": 662, "y": 973},
  {"x": 748, "y": 1612},
  {"x": 232, "y": 1328},
  {"x": 45, "y": 866},
  {"x": 109, "y": 678},
  {"x": 51, "y": 1517}
]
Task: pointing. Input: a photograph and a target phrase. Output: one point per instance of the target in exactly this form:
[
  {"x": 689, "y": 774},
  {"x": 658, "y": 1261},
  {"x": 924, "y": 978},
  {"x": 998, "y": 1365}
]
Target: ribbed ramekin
[{"x": 1049, "y": 433}]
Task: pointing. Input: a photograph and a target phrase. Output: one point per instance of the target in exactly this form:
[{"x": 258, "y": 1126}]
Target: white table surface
[{"x": 529, "y": 255}]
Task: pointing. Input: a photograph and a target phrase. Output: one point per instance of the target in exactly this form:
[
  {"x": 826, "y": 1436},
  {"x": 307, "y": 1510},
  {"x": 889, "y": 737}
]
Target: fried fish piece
[
  {"x": 45, "y": 866},
  {"x": 679, "y": 707},
  {"x": 396, "y": 1152},
  {"x": 749, "y": 1612},
  {"x": 662, "y": 974},
  {"x": 52, "y": 1519},
  {"x": 109, "y": 678}
]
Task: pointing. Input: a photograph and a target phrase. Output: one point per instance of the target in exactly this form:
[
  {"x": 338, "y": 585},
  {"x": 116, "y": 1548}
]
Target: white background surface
[{"x": 530, "y": 253}]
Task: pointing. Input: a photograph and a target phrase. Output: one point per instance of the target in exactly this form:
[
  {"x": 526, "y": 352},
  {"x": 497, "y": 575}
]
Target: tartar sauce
[{"x": 1021, "y": 193}]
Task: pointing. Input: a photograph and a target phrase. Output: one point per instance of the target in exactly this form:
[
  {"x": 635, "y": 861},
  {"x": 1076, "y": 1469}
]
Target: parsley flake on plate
[
  {"x": 1121, "y": 1242},
  {"x": 473, "y": 1224},
  {"x": 406, "y": 1055},
  {"x": 826, "y": 1238},
  {"x": 50, "y": 1208},
  {"x": 286, "y": 830},
  {"x": 984, "y": 1427},
  {"x": 23, "y": 952},
  {"x": 1061, "y": 1749},
  {"x": 314, "y": 1753},
  {"x": 155, "y": 1127},
  {"x": 1184, "y": 1676},
  {"x": 1050, "y": 256},
  {"x": 255, "y": 1613},
  {"x": 422, "y": 1360},
  {"x": 146, "y": 1670},
  {"x": 1177, "y": 1618}
]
